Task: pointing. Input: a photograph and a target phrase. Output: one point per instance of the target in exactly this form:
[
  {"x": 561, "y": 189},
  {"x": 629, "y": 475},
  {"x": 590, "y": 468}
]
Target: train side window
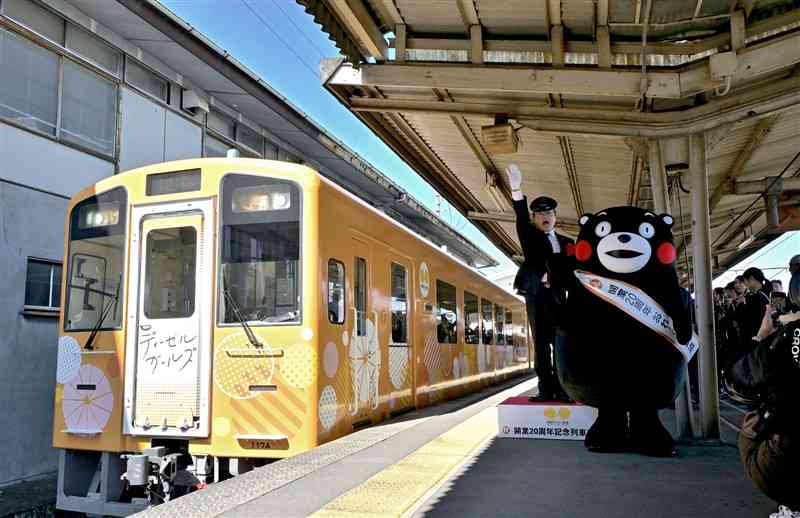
[
  {"x": 360, "y": 295},
  {"x": 500, "y": 337},
  {"x": 472, "y": 324},
  {"x": 336, "y": 293},
  {"x": 399, "y": 305},
  {"x": 446, "y": 315},
  {"x": 509, "y": 327},
  {"x": 488, "y": 321}
]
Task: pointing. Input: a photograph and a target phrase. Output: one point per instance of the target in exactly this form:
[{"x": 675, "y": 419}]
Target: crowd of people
[{"x": 758, "y": 340}]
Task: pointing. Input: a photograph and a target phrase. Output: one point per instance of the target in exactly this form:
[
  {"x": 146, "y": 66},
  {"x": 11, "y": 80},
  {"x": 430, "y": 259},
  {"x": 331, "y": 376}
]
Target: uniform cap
[{"x": 543, "y": 204}]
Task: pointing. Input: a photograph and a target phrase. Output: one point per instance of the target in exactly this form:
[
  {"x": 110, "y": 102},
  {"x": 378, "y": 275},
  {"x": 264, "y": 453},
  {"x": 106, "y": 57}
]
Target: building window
[
  {"x": 88, "y": 111},
  {"x": 221, "y": 124},
  {"x": 270, "y": 151},
  {"x": 472, "y": 324},
  {"x": 446, "y": 316},
  {"x": 43, "y": 285},
  {"x": 488, "y": 321},
  {"x": 146, "y": 80},
  {"x": 94, "y": 49},
  {"x": 29, "y": 88},
  {"x": 399, "y": 305},
  {"x": 213, "y": 147},
  {"x": 250, "y": 138},
  {"x": 36, "y": 18},
  {"x": 29, "y": 96},
  {"x": 336, "y": 293}
]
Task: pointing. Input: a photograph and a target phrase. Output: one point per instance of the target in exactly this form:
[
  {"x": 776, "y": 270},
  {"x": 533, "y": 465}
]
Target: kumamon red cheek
[
  {"x": 583, "y": 251},
  {"x": 666, "y": 253}
]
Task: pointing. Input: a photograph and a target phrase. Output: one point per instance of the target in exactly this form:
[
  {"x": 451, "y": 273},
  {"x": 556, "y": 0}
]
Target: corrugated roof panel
[
  {"x": 674, "y": 10},
  {"x": 513, "y": 17},
  {"x": 578, "y": 17},
  {"x": 431, "y": 16}
]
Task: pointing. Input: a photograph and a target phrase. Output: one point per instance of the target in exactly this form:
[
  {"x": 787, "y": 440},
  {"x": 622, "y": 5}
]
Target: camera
[{"x": 778, "y": 301}]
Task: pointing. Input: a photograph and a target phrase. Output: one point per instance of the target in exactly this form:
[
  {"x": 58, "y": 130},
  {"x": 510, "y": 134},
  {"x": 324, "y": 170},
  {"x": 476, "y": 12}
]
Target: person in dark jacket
[
  {"x": 769, "y": 376},
  {"x": 539, "y": 243}
]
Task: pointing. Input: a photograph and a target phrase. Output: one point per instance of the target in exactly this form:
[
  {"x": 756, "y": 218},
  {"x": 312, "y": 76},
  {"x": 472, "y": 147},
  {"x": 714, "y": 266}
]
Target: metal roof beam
[
  {"x": 358, "y": 20},
  {"x": 768, "y": 100},
  {"x": 760, "y": 132},
  {"x": 689, "y": 81}
]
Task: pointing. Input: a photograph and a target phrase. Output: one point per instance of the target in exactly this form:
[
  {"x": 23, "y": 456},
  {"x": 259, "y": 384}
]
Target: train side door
[
  {"x": 401, "y": 367},
  {"x": 167, "y": 359},
  {"x": 363, "y": 349}
]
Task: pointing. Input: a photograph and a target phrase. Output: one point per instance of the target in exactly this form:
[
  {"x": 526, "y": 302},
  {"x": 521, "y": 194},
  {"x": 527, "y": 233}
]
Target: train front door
[
  {"x": 401, "y": 368},
  {"x": 168, "y": 345},
  {"x": 363, "y": 350}
]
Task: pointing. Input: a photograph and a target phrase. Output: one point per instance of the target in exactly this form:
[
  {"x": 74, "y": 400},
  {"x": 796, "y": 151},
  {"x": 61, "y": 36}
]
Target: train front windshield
[
  {"x": 96, "y": 253},
  {"x": 260, "y": 245}
]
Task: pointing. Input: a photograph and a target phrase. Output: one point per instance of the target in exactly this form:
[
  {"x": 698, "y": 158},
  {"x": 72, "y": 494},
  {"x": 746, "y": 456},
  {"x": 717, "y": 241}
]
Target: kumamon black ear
[
  {"x": 667, "y": 220},
  {"x": 585, "y": 219}
]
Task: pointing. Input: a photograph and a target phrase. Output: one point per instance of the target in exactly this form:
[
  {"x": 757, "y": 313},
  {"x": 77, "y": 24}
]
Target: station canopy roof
[
  {"x": 599, "y": 93},
  {"x": 186, "y": 56}
]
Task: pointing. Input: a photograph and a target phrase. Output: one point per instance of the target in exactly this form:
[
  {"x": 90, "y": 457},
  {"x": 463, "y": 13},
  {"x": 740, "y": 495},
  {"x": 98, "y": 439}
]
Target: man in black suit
[{"x": 539, "y": 243}]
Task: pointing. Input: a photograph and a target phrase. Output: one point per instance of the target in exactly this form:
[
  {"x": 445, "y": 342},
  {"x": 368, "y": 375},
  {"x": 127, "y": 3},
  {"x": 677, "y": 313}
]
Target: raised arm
[{"x": 520, "y": 206}]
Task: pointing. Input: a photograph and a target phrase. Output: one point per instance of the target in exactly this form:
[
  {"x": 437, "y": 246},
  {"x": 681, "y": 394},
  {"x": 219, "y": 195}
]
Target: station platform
[{"x": 448, "y": 461}]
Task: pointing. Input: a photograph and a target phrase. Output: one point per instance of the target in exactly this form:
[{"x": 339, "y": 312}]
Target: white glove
[{"x": 514, "y": 176}]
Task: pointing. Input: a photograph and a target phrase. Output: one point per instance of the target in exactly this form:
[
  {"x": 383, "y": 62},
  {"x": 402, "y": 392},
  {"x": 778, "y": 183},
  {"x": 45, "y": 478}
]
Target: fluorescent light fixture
[
  {"x": 746, "y": 242},
  {"x": 497, "y": 198}
]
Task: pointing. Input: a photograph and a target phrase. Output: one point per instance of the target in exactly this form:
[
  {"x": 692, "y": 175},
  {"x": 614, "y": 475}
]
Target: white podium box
[{"x": 523, "y": 419}]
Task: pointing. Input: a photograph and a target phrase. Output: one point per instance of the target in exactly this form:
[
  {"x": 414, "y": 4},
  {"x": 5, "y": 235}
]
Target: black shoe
[
  {"x": 542, "y": 396},
  {"x": 648, "y": 435},
  {"x": 608, "y": 434},
  {"x": 563, "y": 397}
]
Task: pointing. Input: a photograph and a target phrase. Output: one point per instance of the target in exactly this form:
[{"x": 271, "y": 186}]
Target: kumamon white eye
[
  {"x": 647, "y": 230},
  {"x": 602, "y": 229}
]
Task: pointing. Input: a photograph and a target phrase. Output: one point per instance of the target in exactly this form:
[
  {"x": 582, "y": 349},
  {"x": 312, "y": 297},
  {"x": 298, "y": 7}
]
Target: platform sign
[{"x": 522, "y": 419}]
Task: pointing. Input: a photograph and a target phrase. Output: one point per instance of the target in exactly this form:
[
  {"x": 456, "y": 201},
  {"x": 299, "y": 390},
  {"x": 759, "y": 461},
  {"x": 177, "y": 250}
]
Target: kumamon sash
[{"x": 637, "y": 304}]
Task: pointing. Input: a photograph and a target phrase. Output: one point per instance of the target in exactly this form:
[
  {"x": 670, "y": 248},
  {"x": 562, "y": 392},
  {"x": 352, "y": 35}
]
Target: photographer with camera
[{"x": 768, "y": 377}]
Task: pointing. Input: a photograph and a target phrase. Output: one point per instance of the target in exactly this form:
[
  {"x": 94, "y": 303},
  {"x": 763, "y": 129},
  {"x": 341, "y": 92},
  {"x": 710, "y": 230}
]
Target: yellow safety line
[{"x": 400, "y": 487}]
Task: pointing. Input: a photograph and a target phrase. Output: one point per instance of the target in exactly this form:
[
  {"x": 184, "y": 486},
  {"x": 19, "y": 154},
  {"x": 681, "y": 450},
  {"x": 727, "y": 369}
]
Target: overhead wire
[
  {"x": 319, "y": 51},
  {"x": 278, "y": 36}
]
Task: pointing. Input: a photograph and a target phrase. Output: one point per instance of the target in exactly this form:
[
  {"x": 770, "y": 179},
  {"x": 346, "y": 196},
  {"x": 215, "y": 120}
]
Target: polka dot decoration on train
[
  {"x": 69, "y": 359},
  {"x": 235, "y": 371},
  {"x": 328, "y": 407},
  {"x": 298, "y": 364}
]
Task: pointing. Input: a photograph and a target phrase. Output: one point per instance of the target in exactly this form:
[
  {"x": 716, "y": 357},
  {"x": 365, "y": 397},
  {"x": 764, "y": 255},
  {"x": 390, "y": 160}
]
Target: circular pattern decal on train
[
  {"x": 424, "y": 280},
  {"x": 87, "y": 401},
  {"x": 481, "y": 350},
  {"x": 297, "y": 365},
  {"x": 69, "y": 359},
  {"x": 398, "y": 366},
  {"x": 456, "y": 368},
  {"x": 330, "y": 359},
  {"x": 328, "y": 405},
  {"x": 238, "y": 365},
  {"x": 365, "y": 368}
]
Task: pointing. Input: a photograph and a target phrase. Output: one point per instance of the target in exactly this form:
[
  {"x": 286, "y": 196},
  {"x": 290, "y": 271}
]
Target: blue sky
[{"x": 282, "y": 44}]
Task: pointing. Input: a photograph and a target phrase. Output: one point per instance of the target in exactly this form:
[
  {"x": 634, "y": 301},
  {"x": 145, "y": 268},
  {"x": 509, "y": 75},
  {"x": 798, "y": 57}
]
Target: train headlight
[
  {"x": 100, "y": 215},
  {"x": 281, "y": 200},
  {"x": 261, "y": 198}
]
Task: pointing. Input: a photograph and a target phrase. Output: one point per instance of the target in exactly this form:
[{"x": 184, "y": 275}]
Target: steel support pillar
[
  {"x": 661, "y": 204},
  {"x": 704, "y": 305}
]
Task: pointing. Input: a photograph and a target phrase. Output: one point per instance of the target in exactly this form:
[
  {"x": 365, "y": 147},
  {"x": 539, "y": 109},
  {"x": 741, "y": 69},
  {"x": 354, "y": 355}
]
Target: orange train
[{"x": 222, "y": 313}]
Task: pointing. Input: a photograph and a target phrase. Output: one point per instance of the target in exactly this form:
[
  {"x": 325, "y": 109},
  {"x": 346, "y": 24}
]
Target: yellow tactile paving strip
[{"x": 400, "y": 488}]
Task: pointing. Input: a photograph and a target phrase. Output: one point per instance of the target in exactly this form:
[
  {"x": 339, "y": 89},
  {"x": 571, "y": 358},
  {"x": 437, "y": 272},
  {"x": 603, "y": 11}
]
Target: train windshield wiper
[
  {"x": 254, "y": 341},
  {"x": 96, "y": 329}
]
